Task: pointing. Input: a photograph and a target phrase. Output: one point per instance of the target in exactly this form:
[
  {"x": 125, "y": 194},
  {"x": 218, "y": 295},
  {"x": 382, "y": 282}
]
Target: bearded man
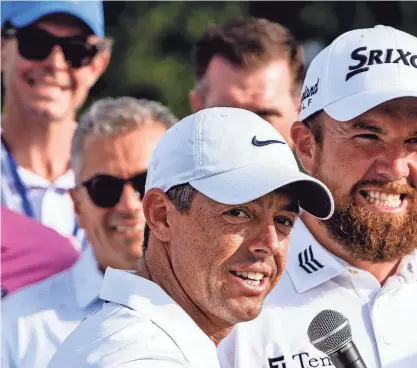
[{"x": 358, "y": 134}]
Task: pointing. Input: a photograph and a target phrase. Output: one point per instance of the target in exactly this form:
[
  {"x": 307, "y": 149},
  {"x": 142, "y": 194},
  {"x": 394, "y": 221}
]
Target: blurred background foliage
[{"x": 153, "y": 39}]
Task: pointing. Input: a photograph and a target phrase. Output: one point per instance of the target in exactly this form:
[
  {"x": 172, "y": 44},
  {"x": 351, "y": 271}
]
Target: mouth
[
  {"x": 250, "y": 278},
  {"x": 384, "y": 200},
  {"x": 128, "y": 229},
  {"x": 47, "y": 85}
]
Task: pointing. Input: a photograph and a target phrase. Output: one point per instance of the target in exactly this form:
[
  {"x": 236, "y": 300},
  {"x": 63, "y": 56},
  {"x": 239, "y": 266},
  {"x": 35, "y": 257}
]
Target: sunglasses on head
[
  {"x": 105, "y": 190},
  {"x": 36, "y": 44}
]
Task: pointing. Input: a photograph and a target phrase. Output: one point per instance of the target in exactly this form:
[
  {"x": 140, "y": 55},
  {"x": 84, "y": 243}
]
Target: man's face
[
  {"x": 116, "y": 233},
  {"x": 227, "y": 258},
  {"x": 48, "y": 89},
  {"x": 370, "y": 166},
  {"x": 266, "y": 91}
]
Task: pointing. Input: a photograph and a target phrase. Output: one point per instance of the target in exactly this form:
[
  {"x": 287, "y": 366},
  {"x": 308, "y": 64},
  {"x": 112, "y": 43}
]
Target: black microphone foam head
[{"x": 329, "y": 331}]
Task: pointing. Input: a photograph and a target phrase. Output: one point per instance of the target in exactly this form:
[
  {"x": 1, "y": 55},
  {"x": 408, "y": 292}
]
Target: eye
[
  {"x": 237, "y": 213},
  {"x": 285, "y": 221},
  {"x": 411, "y": 140},
  {"x": 372, "y": 137}
]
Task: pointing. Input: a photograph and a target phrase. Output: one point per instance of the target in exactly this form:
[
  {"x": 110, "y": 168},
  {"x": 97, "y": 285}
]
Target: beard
[{"x": 369, "y": 236}]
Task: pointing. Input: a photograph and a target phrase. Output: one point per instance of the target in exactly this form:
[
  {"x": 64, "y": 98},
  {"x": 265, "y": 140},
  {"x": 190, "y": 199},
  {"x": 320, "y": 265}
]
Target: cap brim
[
  {"x": 251, "y": 182},
  {"x": 354, "y": 105},
  {"x": 49, "y": 7}
]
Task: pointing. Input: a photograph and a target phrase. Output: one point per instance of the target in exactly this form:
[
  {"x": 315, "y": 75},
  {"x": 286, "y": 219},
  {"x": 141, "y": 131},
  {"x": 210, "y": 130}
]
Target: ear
[
  {"x": 305, "y": 145},
  {"x": 77, "y": 205},
  {"x": 156, "y": 205},
  {"x": 98, "y": 66},
  {"x": 5, "y": 45},
  {"x": 196, "y": 102}
]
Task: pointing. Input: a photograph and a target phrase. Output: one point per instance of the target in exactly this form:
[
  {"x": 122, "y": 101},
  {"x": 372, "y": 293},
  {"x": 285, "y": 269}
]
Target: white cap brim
[
  {"x": 354, "y": 105},
  {"x": 251, "y": 182}
]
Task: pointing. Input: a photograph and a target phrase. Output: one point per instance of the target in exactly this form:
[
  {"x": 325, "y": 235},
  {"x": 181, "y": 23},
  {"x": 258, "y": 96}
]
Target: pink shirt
[{"x": 30, "y": 251}]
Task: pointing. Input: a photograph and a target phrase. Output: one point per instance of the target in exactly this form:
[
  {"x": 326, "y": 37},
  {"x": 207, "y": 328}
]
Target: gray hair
[{"x": 109, "y": 117}]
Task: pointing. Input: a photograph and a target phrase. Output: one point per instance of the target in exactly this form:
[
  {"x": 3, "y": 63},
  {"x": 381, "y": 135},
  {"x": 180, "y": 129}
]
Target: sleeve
[
  {"x": 6, "y": 352},
  {"x": 151, "y": 363}
]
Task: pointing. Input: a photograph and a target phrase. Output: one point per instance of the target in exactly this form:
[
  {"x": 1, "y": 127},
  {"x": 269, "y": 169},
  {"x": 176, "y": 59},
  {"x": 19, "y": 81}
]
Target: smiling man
[
  {"x": 357, "y": 134},
  {"x": 111, "y": 150},
  {"x": 52, "y": 53},
  {"x": 222, "y": 194}
]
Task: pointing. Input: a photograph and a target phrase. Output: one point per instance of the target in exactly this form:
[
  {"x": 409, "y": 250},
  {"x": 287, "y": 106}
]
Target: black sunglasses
[
  {"x": 36, "y": 44},
  {"x": 105, "y": 190}
]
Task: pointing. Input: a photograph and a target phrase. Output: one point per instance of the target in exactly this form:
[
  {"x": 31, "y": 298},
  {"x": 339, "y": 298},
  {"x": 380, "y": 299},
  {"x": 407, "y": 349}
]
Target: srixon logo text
[
  {"x": 377, "y": 56},
  {"x": 309, "y": 91}
]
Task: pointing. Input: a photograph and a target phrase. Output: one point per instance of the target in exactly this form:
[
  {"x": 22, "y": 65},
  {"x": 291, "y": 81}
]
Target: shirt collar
[
  {"x": 309, "y": 263},
  {"x": 408, "y": 268},
  {"x": 87, "y": 278},
  {"x": 147, "y": 297}
]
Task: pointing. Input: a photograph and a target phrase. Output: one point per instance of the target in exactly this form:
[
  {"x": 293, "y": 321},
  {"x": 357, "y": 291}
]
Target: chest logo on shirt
[
  {"x": 277, "y": 362},
  {"x": 307, "y": 261}
]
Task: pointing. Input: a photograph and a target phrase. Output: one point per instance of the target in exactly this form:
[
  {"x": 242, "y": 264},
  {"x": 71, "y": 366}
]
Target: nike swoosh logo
[{"x": 257, "y": 143}]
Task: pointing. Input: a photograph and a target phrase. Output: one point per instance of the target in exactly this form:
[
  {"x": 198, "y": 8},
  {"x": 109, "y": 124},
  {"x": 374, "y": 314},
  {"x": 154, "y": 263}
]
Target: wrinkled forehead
[{"x": 287, "y": 197}]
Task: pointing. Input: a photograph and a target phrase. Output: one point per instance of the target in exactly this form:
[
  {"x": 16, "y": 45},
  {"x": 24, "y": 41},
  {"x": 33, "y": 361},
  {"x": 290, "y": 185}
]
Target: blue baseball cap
[{"x": 24, "y": 13}]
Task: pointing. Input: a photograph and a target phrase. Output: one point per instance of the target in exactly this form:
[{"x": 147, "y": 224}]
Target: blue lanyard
[{"x": 21, "y": 189}]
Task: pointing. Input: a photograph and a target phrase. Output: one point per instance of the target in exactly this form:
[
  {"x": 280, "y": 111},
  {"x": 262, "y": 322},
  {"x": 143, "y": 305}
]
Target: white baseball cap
[
  {"x": 360, "y": 70},
  {"x": 232, "y": 156}
]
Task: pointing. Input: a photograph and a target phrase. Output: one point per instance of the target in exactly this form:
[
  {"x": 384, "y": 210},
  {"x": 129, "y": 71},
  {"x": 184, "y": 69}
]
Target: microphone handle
[{"x": 347, "y": 357}]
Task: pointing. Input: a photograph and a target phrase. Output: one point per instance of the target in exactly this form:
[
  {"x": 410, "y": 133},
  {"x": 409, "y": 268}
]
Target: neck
[
  {"x": 157, "y": 268},
  {"x": 381, "y": 271},
  {"x": 39, "y": 146}
]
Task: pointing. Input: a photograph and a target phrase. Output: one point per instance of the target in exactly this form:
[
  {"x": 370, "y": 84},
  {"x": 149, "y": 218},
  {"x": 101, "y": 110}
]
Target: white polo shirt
[
  {"x": 36, "y": 319},
  {"x": 383, "y": 319},
  {"x": 139, "y": 326},
  {"x": 51, "y": 202}
]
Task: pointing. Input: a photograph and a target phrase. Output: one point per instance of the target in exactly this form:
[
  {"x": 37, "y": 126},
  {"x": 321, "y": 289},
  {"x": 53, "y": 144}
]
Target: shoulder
[
  {"x": 38, "y": 297},
  {"x": 116, "y": 335}
]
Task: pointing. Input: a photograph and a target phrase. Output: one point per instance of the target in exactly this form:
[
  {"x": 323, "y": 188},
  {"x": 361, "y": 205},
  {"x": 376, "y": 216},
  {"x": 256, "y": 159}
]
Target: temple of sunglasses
[
  {"x": 36, "y": 44},
  {"x": 105, "y": 190}
]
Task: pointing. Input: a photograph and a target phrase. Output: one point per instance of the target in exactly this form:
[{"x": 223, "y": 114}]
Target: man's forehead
[{"x": 64, "y": 20}]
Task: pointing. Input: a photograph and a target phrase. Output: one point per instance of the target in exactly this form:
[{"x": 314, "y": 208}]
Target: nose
[
  {"x": 394, "y": 163},
  {"x": 267, "y": 242},
  {"x": 56, "y": 59},
  {"x": 129, "y": 200}
]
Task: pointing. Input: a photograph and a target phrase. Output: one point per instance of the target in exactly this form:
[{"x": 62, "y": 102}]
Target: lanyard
[{"x": 21, "y": 189}]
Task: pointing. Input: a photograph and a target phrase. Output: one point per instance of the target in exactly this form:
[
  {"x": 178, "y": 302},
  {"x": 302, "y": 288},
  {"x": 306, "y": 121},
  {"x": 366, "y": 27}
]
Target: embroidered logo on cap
[
  {"x": 257, "y": 143},
  {"x": 377, "y": 56}
]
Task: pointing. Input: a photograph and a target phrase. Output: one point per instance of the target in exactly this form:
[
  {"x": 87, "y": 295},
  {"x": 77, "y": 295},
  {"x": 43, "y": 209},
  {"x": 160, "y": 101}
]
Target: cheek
[{"x": 92, "y": 218}]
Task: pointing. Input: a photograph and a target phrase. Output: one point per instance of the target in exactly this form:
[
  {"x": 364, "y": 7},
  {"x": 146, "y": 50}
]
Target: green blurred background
[{"x": 153, "y": 39}]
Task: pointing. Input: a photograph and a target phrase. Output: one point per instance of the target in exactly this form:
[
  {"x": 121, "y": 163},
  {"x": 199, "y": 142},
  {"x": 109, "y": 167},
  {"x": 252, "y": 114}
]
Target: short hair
[
  {"x": 181, "y": 196},
  {"x": 109, "y": 117},
  {"x": 314, "y": 123},
  {"x": 249, "y": 42}
]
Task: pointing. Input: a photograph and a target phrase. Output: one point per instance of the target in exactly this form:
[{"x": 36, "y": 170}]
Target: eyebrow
[
  {"x": 292, "y": 206},
  {"x": 263, "y": 112},
  {"x": 364, "y": 125}
]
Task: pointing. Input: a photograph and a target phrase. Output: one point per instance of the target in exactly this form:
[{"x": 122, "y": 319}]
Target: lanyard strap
[{"x": 21, "y": 189}]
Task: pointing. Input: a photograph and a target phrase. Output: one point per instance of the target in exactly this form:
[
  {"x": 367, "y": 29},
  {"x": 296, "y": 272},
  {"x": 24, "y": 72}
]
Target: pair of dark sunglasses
[
  {"x": 36, "y": 44},
  {"x": 105, "y": 190}
]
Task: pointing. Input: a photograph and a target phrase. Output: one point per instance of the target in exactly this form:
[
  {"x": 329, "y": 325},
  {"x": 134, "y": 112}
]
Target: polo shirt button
[{"x": 387, "y": 340}]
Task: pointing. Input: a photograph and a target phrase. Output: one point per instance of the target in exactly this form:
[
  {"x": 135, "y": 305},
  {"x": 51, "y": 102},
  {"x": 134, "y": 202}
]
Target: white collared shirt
[
  {"x": 51, "y": 202},
  {"x": 383, "y": 319},
  {"x": 139, "y": 326},
  {"x": 36, "y": 319}
]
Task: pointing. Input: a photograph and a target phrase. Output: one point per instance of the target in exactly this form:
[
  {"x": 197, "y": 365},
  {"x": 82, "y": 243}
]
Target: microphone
[{"x": 330, "y": 333}]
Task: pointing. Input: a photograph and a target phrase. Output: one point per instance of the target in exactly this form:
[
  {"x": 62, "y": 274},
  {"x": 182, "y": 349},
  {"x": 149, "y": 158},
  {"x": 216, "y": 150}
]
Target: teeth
[
  {"x": 251, "y": 276},
  {"x": 129, "y": 229},
  {"x": 383, "y": 199}
]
